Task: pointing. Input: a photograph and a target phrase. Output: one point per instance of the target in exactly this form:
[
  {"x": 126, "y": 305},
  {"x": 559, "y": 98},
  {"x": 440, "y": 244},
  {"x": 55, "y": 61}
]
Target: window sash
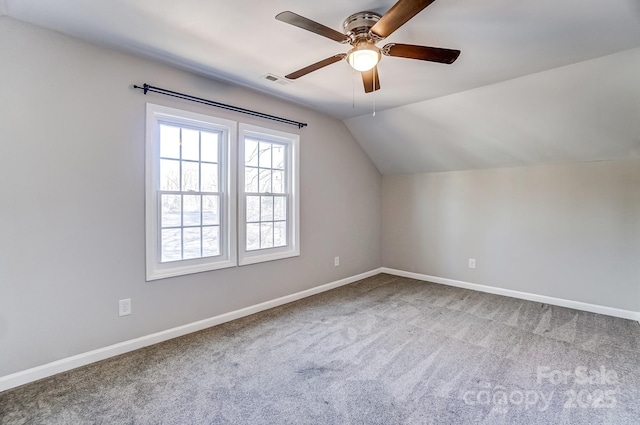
[
  {"x": 259, "y": 221},
  {"x": 251, "y": 254},
  {"x": 201, "y": 225},
  {"x": 226, "y": 156}
]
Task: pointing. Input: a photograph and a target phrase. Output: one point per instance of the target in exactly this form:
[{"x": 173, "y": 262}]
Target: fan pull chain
[
  {"x": 374, "y": 91},
  {"x": 353, "y": 88},
  {"x": 374, "y": 103}
]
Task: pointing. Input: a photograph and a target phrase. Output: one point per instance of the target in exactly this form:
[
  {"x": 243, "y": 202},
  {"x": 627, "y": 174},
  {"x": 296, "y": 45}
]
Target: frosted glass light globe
[{"x": 363, "y": 57}]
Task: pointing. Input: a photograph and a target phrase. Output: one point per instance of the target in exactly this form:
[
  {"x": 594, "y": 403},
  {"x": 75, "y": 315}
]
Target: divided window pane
[
  {"x": 210, "y": 241},
  {"x": 190, "y": 144},
  {"x": 266, "y": 195},
  {"x": 278, "y": 153},
  {"x": 209, "y": 177},
  {"x": 209, "y": 146},
  {"x": 169, "y": 174},
  {"x": 185, "y": 218},
  {"x": 265, "y": 155},
  {"x": 251, "y": 153},
  {"x": 169, "y": 141},
  {"x": 171, "y": 211},
  {"x": 210, "y": 210},
  {"x": 189, "y": 193}
]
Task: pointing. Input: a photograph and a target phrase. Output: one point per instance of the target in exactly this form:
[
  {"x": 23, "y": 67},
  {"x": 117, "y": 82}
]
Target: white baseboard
[
  {"x": 577, "y": 305},
  {"x": 20, "y": 378},
  {"x": 63, "y": 365}
]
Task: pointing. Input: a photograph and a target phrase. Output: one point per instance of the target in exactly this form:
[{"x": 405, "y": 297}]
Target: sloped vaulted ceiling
[
  {"x": 537, "y": 81},
  {"x": 582, "y": 112}
]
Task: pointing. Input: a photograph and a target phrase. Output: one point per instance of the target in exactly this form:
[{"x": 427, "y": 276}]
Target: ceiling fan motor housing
[{"x": 357, "y": 26}]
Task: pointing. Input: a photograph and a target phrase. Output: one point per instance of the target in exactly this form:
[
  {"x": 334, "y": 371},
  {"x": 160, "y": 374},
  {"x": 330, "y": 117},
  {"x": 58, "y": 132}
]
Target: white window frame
[
  {"x": 292, "y": 142},
  {"x": 157, "y": 114}
]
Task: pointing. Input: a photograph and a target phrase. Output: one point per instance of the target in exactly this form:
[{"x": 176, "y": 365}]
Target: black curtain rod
[{"x": 147, "y": 88}]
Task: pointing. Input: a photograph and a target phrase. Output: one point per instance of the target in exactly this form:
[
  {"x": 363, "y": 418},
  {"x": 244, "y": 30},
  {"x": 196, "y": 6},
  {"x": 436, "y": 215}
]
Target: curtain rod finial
[{"x": 144, "y": 87}]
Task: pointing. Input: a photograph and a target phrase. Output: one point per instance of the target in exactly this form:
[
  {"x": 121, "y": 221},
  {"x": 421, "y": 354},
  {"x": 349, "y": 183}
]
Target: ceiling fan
[{"x": 362, "y": 31}]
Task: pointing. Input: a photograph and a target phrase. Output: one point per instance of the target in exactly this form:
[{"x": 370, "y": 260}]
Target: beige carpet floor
[{"x": 384, "y": 350}]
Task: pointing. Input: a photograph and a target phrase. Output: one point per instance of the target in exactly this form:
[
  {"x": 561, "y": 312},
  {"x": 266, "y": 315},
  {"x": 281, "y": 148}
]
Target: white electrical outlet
[
  {"x": 336, "y": 261},
  {"x": 124, "y": 307},
  {"x": 472, "y": 263}
]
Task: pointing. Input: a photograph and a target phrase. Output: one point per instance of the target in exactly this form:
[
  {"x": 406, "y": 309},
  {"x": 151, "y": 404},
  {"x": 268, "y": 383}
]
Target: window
[
  {"x": 191, "y": 193},
  {"x": 190, "y": 202},
  {"x": 268, "y": 202}
]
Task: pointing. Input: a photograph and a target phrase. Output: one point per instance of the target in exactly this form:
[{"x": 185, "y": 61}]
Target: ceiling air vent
[{"x": 275, "y": 79}]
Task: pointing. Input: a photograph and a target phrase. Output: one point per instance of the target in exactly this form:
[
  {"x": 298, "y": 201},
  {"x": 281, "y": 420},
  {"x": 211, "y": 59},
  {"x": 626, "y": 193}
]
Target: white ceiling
[{"x": 500, "y": 40}]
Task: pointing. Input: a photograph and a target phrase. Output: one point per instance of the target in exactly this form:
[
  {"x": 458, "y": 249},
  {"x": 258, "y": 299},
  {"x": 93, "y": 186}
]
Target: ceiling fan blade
[
  {"x": 368, "y": 79},
  {"x": 424, "y": 53},
  {"x": 309, "y": 25},
  {"x": 316, "y": 66},
  {"x": 398, "y": 15}
]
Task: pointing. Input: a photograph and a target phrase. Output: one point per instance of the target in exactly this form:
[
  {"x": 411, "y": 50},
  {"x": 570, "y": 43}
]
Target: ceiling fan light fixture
[
  {"x": 364, "y": 56},
  {"x": 363, "y": 30}
]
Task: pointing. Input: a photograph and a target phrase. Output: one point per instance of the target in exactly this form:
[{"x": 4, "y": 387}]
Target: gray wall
[
  {"x": 569, "y": 231},
  {"x": 72, "y": 209}
]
